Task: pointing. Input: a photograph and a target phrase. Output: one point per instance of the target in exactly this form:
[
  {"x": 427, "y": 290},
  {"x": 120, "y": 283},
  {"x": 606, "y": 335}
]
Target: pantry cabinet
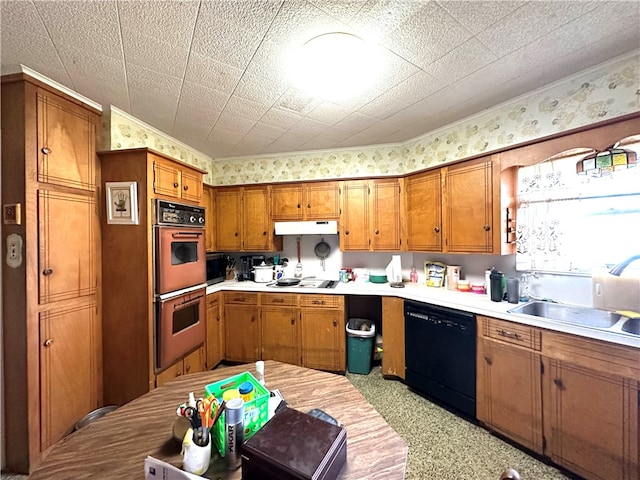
[
  {"x": 215, "y": 331},
  {"x": 51, "y": 289},
  {"x": 370, "y": 217},
  {"x": 305, "y": 201},
  {"x": 243, "y": 222}
]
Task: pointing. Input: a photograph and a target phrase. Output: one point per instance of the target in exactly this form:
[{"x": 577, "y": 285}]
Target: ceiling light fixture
[{"x": 335, "y": 66}]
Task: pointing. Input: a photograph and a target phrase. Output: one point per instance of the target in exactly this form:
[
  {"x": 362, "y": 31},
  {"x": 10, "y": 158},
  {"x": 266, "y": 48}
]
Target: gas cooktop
[{"x": 308, "y": 283}]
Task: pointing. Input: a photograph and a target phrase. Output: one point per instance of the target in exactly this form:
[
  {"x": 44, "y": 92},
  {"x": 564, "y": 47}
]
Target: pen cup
[{"x": 196, "y": 458}]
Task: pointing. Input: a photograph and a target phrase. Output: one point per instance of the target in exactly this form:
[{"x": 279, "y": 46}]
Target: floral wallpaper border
[{"x": 607, "y": 91}]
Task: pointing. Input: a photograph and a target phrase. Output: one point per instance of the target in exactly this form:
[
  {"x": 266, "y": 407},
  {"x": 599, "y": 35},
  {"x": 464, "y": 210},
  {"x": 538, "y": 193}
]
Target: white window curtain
[{"x": 573, "y": 223}]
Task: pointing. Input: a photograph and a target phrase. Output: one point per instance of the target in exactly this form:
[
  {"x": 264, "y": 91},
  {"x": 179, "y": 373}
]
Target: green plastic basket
[{"x": 256, "y": 411}]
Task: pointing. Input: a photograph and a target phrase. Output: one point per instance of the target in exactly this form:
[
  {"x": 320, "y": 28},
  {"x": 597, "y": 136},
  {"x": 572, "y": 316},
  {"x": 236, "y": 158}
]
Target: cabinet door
[
  {"x": 469, "y": 206},
  {"x": 68, "y": 369},
  {"x": 242, "y": 333},
  {"x": 323, "y": 339},
  {"x": 67, "y": 253},
  {"x": 166, "y": 178},
  {"x": 280, "y": 334},
  {"x": 215, "y": 331},
  {"x": 228, "y": 203},
  {"x": 424, "y": 212},
  {"x": 385, "y": 215},
  {"x": 354, "y": 221},
  {"x": 209, "y": 219},
  {"x": 195, "y": 361},
  {"x": 66, "y": 143},
  {"x": 257, "y": 229},
  {"x": 509, "y": 392},
  {"x": 174, "y": 371},
  {"x": 286, "y": 202},
  {"x": 191, "y": 186},
  {"x": 593, "y": 421},
  {"x": 322, "y": 201},
  {"x": 393, "y": 362}
]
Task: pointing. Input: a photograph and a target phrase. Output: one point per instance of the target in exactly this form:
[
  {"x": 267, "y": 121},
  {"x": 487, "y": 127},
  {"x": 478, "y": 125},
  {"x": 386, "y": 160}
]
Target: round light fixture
[{"x": 335, "y": 66}]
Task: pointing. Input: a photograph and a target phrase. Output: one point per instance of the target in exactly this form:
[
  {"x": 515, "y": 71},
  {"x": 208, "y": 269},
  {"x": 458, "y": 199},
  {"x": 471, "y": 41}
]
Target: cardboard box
[{"x": 295, "y": 446}]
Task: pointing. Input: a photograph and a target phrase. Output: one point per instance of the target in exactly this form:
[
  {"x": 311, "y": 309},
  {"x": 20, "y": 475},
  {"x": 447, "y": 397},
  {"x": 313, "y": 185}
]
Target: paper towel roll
[{"x": 394, "y": 269}]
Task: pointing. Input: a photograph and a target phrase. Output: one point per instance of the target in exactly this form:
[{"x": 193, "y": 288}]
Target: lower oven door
[{"x": 180, "y": 325}]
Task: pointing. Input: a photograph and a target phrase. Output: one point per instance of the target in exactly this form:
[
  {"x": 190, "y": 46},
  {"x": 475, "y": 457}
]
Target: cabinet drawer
[
  {"x": 277, "y": 299},
  {"x": 246, "y": 298},
  {"x": 324, "y": 301},
  {"x": 511, "y": 332}
]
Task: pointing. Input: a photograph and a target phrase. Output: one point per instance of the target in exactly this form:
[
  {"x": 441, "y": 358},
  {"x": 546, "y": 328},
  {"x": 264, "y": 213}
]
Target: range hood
[{"x": 324, "y": 227}]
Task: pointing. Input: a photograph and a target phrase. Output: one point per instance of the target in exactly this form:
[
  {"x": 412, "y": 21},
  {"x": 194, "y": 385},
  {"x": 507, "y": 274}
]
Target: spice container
[
  {"x": 464, "y": 285},
  {"x": 246, "y": 391}
]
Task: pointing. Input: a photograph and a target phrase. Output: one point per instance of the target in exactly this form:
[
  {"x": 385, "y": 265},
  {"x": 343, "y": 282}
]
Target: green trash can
[{"x": 360, "y": 336}]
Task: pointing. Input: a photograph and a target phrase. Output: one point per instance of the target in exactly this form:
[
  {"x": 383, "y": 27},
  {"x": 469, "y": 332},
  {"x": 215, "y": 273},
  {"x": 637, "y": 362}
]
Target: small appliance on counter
[
  {"x": 247, "y": 264},
  {"x": 216, "y": 268}
]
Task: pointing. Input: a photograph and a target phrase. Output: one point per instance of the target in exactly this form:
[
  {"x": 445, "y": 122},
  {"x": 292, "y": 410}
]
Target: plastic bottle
[
  {"x": 524, "y": 288},
  {"x": 234, "y": 432},
  {"x": 413, "y": 275},
  {"x": 260, "y": 371},
  {"x": 487, "y": 281}
]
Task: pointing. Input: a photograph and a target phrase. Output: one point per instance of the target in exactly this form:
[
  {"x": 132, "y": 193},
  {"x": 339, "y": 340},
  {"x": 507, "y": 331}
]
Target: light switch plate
[{"x": 14, "y": 250}]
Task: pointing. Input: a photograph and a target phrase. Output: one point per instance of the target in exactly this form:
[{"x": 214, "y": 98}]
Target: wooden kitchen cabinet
[
  {"x": 192, "y": 363},
  {"x": 242, "y": 326},
  {"x": 370, "y": 217},
  {"x": 243, "y": 222},
  {"x": 591, "y": 404},
  {"x": 393, "y": 358},
  {"x": 508, "y": 396},
  {"x": 207, "y": 202},
  {"x": 423, "y": 193},
  {"x": 52, "y": 294},
  {"x": 322, "y": 332},
  {"x": 305, "y": 201},
  {"x": 215, "y": 331},
  {"x": 280, "y": 327},
  {"x": 177, "y": 180}
]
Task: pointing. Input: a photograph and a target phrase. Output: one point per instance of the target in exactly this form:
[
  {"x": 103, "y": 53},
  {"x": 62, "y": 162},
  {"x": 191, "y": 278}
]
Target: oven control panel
[{"x": 171, "y": 213}]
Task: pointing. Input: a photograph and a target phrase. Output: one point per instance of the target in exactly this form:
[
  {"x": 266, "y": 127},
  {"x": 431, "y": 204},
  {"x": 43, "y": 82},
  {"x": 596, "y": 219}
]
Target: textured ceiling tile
[
  {"x": 273, "y": 62},
  {"x": 342, "y": 9},
  {"x": 235, "y": 124},
  {"x": 427, "y": 36},
  {"x": 328, "y": 112},
  {"x": 378, "y": 18},
  {"x": 280, "y": 118},
  {"x": 165, "y": 87},
  {"x": 250, "y": 15},
  {"x": 382, "y": 128},
  {"x": 462, "y": 61},
  {"x": 226, "y": 43},
  {"x": 482, "y": 15},
  {"x": 244, "y": 108},
  {"x": 309, "y": 126},
  {"x": 225, "y": 136},
  {"x": 294, "y": 100},
  {"x": 194, "y": 95},
  {"x": 258, "y": 89},
  {"x": 153, "y": 17},
  {"x": 154, "y": 53},
  {"x": 211, "y": 73},
  {"x": 200, "y": 114},
  {"x": 267, "y": 131},
  {"x": 356, "y": 122}
]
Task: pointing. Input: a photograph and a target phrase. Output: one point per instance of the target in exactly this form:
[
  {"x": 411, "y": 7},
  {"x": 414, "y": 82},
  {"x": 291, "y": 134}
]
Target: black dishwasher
[{"x": 440, "y": 351}]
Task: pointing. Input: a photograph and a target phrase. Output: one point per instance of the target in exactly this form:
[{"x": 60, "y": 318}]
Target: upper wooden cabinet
[
  {"x": 462, "y": 208},
  {"x": 370, "y": 217},
  {"x": 208, "y": 203},
  {"x": 242, "y": 220},
  {"x": 305, "y": 201},
  {"x": 66, "y": 143},
  {"x": 177, "y": 180}
]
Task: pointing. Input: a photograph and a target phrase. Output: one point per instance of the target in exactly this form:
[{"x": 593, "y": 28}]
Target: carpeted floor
[{"x": 441, "y": 444}]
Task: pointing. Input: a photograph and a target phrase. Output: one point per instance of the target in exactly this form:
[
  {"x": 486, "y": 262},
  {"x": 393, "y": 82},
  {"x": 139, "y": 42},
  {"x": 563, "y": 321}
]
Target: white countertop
[{"x": 471, "y": 302}]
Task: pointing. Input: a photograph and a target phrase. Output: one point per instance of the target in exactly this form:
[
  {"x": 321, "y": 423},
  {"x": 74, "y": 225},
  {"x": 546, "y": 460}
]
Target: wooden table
[{"x": 116, "y": 445}]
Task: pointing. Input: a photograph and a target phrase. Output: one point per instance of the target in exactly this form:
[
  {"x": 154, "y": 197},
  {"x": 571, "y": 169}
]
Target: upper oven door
[{"x": 180, "y": 258}]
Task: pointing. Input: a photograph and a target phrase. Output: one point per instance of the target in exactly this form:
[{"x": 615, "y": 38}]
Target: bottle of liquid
[
  {"x": 413, "y": 275},
  {"x": 524, "y": 287},
  {"x": 234, "y": 432},
  {"x": 260, "y": 371},
  {"x": 487, "y": 281},
  {"x": 497, "y": 288}
]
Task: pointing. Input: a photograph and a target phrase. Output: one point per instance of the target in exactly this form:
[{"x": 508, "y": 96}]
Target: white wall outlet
[{"x": 14, "y": 250}]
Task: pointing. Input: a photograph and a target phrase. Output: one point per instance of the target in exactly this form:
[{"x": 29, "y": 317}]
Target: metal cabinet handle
[
  {"x": 264, "y": 234},
  {"x": 45, "y": 150},
  {"x": 513, "y": 335},
  {"x": 436, "y": 229},
  {"x": 47, "y": 271},
  {"x": 175, "y": 184},
  {"x": 293, "y": 321},
  {"x": 488, "y": 360},
  {"x": 277, "y": 300},
  {"x": 235, "y": 234},
  {"x": 318, "y": 302},
  {"x": 376, "y": 231},
  {"x": 186, "y": 187},
  {"x": 308, "y": 205},
  {"x": 48, "y": 342},
  {"x": 346, "y": 232},
  {"x": 487, "y": 228},
  {"x": 558, "y": 382},
  {"x": 335, "y": 323},
  {"x": 299, "y": 205}
]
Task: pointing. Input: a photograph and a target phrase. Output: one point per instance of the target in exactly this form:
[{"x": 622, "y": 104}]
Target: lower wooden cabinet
[
  {"x": 242, "y": 326},
  {"x": 571, "y": 399},
  {"x": 192, "y": 363},
  {"x": 215, "y": 331},
  {"x": 280, "y": 328},
  {"x": 393, "y": 361},
  {"x": 322, "y": 332}
]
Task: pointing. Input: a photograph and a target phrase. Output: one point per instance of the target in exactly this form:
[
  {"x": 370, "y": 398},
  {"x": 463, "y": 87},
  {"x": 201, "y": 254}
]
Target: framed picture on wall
[{"x": 122, "y": 202}]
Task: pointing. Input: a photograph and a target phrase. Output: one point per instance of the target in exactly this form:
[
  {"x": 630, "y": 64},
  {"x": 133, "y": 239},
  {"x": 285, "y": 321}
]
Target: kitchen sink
[
  {"x": 632, "y": 325},
  {"x": 588, "y": 317}
]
